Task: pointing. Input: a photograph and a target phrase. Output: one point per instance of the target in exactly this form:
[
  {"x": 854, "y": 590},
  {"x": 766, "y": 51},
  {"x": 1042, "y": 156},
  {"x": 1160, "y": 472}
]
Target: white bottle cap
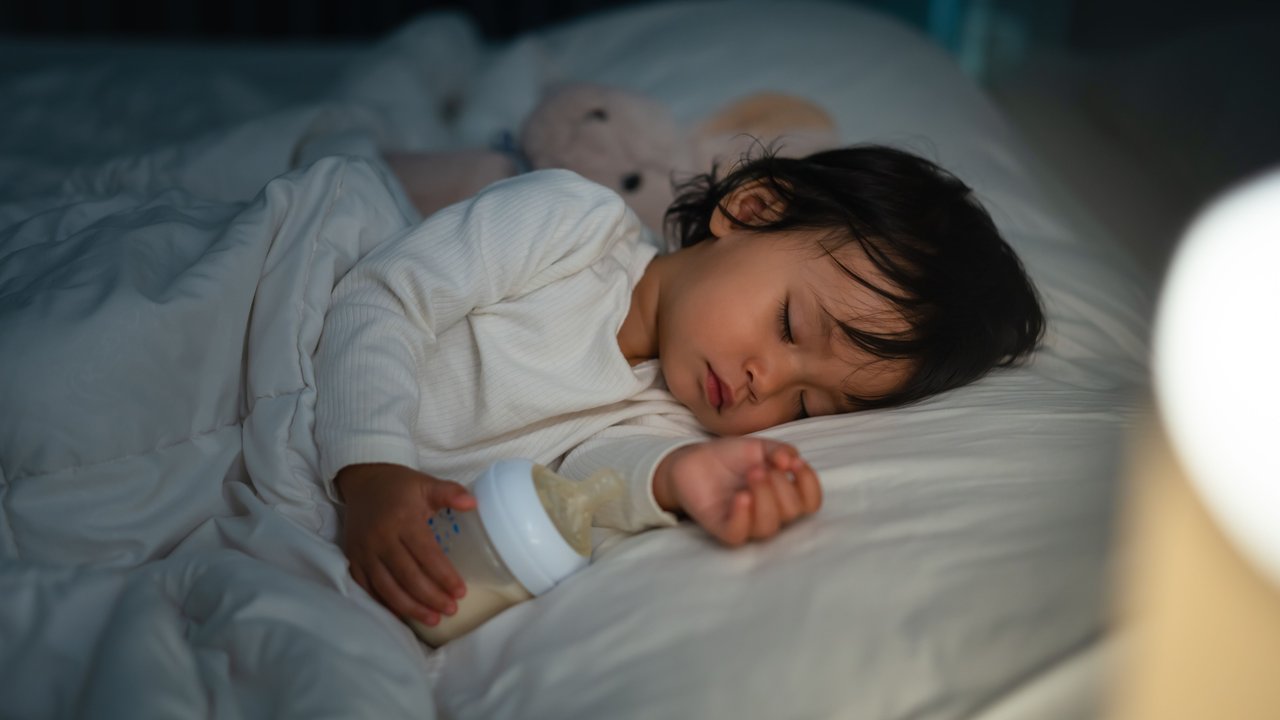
[{"x": 520, "y": 529}]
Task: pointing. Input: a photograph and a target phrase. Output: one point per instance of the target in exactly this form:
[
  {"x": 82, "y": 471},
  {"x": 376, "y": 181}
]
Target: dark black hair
[{"x": 965, "y": 295}]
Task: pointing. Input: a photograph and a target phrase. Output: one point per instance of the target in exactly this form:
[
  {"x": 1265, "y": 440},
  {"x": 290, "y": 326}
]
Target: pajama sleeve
[
  {"x": 634, "y": 449},
  {"x": 385, "y": 315}
]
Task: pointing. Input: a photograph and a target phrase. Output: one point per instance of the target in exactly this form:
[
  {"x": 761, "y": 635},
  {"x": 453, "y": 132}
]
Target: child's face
[{"x": 747, "y": 331}]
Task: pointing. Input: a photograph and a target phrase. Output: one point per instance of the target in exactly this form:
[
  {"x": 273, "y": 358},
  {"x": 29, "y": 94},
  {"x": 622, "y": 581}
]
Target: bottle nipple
[{"x": 571, "y": 505}]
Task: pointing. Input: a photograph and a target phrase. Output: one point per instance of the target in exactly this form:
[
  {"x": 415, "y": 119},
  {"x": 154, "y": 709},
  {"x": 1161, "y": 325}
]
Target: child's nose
[{"x": 767, "y": 375}]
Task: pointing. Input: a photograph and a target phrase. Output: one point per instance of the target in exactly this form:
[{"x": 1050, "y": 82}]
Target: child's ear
[{"x": 752, "y": 204}]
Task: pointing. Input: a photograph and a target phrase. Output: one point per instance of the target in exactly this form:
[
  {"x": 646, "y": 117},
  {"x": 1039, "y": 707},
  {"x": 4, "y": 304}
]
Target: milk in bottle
[{"x": 531, "y": 529}]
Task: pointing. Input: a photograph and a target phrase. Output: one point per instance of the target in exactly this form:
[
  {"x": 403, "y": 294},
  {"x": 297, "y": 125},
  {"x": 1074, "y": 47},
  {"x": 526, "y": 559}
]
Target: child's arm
[
  {"x": 386, "y": 314},
  {"x": 382, "y": 325},
  {"x": 738, "y": 489}
]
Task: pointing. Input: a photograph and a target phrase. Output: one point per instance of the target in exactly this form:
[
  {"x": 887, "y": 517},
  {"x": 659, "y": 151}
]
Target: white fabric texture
[
  {"x": 164, "y": 540},
  {"x": 165, "y": 370},
  {"x": 489, "y": 332}
]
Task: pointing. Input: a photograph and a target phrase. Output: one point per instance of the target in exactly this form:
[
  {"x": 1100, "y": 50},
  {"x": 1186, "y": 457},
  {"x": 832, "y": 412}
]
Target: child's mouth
[{"x": 717, "y": 394}]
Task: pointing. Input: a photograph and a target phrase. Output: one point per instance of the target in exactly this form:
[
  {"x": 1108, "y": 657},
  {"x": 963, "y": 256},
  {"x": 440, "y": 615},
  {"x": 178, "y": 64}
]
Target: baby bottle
[{"x": 531, "y": 529}]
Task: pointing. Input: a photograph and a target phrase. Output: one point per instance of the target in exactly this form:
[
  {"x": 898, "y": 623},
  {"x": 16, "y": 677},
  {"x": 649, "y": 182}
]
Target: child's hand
[
  {"x": 392, "y": 552},
  {"x": 738, "y": 489}
]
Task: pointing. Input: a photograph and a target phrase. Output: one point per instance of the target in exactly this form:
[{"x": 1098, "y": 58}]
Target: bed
[{"x": 171, "y": 221}]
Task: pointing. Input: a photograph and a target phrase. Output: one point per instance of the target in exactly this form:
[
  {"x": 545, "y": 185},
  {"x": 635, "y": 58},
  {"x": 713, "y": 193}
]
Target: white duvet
[
  {"x": 158, "y": 357},
  {"x": 165, "y": 549}
]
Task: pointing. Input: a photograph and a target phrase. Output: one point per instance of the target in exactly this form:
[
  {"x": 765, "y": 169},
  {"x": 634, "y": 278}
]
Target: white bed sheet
[
  {"x": 962, "y": 549},
  {"x": 1077, "y": 688}
]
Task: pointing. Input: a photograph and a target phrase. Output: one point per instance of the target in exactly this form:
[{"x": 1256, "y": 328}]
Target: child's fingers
[
  {"x": 418, "y": 581},
  {"x": 373, "y": 593},
  {"x": 764, "y": 521},
  {"x": 736, "y": 528},
  {"x": 808, "y": 486},
  {"x": 790, "y": 504},
  {"x": 781, "y": 455},
  {"x": 430, "y": 559},
  {"x": 447, "y": 493},
  {"x": 396, "y": 599},
  {"x": 357, "y": 574}
]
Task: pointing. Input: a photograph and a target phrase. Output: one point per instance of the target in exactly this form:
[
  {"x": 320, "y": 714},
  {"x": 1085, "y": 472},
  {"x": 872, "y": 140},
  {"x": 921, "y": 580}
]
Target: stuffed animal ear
[
  {"x": 791, "y": 125},
  {"x": 614, "y": 136}
]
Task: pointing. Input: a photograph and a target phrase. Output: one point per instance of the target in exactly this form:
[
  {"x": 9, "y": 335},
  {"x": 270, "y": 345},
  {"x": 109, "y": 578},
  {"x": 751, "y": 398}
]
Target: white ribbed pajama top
[{"x": 489, "y": 331}]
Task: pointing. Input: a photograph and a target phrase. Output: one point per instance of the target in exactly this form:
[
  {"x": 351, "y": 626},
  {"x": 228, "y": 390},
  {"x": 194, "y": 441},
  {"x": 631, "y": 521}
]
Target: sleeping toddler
[{"x": 538, "y": 320}]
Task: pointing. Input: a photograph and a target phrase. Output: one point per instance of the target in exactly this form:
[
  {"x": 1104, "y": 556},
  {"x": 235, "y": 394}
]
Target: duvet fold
[{"x": 166, "y": 541}]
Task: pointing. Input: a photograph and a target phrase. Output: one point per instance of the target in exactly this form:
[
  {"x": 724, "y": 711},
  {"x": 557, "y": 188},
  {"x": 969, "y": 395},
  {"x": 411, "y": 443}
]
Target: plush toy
[{"x": 620, "y": 139}]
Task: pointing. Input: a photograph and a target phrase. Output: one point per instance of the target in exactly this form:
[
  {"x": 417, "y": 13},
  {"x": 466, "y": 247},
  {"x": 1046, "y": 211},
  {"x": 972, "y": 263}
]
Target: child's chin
[
  {"x": 709, "y": 421},
  {"x": 717, "y": 425}
]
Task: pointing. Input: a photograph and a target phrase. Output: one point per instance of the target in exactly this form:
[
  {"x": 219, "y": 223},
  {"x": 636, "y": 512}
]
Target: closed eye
[
  {"x": 784, "y": 329},
  {"x": 784, "y": 322}
]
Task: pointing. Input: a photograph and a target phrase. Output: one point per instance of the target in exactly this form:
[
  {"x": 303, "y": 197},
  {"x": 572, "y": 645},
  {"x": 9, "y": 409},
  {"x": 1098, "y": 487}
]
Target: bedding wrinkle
[
  {"x": 9, "y": 550},
  {"x": 87, "y": 467},
  {"x": 325, "y": 218},
  {"x": 1043, "y": 673},
  {"x": 299, "y": 302},
  {"x": 126, "y": 512},
  {"x": 277, "y": 394}
]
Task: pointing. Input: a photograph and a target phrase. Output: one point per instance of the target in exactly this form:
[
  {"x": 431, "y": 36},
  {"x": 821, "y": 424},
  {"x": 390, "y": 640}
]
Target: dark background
[
  {"x": 1144, "y": 108},
  {"x": 1079, "y": 23}
]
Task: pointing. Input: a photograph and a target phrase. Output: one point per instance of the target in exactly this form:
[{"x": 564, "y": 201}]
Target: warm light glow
[{"x": 1217, "y": 357}]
